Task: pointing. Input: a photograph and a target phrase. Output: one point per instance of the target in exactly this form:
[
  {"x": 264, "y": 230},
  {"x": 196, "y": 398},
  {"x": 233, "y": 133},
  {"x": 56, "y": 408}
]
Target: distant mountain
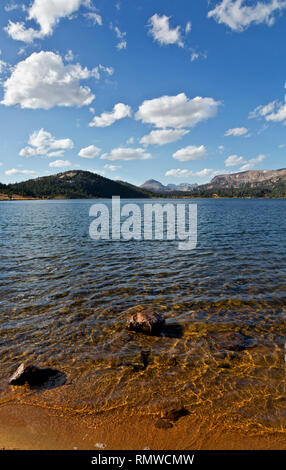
[
  {"x": 153, "y": 185},
  {"x": 156, "y": 186},
  {"x": 183, "y": 187},
  {"x": 235, "y": 180},
  {"x": 74, "y": 184},
  {"x": 253, "y": 183}
]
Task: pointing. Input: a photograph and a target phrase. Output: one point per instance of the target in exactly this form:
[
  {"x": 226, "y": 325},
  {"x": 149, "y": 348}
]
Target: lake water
[{"x": 65, "y": 300}]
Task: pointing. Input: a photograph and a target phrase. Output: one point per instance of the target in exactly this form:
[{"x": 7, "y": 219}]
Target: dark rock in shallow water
[
  {"x": 232, "y": 341},
  {"x": 170, "y": 415},
  {"x": 37, "y": 378},
  {"x": 23, "y": 374},
  {"x": 146, "y": 321},
  {"x": 145, "y": 358},
  {"x": 139, "y": 364},
  {"x": 174, "y": 413}
]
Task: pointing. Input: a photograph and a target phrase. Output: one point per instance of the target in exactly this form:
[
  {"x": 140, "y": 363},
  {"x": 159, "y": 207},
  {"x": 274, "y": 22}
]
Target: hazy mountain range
[{"x": 157, "y": 187}]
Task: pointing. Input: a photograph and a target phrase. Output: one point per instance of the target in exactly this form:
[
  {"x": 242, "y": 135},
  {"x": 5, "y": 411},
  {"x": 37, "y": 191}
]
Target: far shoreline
[{"x": 17, "y": 198}]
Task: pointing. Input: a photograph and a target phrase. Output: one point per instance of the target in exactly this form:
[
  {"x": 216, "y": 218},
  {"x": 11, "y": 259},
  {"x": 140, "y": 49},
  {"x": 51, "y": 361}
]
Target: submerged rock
[
  {"x": 174, "y": 413},
  {"x": 23, "y": 374},
  {"x": 146, "y": 321},
  {"x": 232, "y": 341},
  {"x": 37, "y": 377}
]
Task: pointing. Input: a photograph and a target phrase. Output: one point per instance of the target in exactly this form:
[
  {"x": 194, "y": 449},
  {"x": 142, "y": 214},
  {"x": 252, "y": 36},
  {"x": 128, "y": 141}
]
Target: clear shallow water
[{"x": 65, "y": 300}]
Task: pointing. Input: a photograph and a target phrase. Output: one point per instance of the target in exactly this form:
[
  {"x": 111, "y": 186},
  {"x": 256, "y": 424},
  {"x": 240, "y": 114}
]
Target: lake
[{"x": 65, "y": 300}]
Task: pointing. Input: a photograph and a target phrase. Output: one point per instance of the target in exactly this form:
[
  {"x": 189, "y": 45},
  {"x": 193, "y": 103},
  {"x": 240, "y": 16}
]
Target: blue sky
[{"x": 139, "y": 89}]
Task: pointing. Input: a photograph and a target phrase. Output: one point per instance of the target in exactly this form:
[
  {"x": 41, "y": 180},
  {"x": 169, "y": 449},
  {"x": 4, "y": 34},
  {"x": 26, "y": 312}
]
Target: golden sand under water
[
  {"x": 30, "y": 427},
  {"x": 233, "y": 390}
]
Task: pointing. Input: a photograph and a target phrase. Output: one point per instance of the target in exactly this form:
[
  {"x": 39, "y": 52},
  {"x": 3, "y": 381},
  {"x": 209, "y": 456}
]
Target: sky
[{"x": 142, "y": 89}]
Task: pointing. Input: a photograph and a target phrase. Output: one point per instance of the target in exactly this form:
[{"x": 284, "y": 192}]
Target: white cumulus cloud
[
  {"x": 190, "y": 153},
  {"x": 274, "y": 111},
  {"x": 12, "y": 6},
  {"x": 236, "y": 131},
  {"x": 207, "y": 172},
  {"x": 184, "y": 173},
  {"x": 47, "y": 14},
  {"x": 121, "y": 36},
  {"x": 163, "y": 136},
  {"x": 43, "y": 143},
  {"x": 233, "y": 160},
  {"x": 43, "y": 81},
  {"x": 121, "y": 45},
  {"x": 252, "y": 162},
  {"x": 198, "y": 55},
  {"x": 89, "y": 152},
  {"x": 18, "y": 172},
  {"x": 262, "y": 111},
  {"x": 238, "y": 16},
  {"x": 69, "y": 57},
  {"x": 278, "y": 115},
  {"x": 120, "y": 111},
  {"x": 127, "y": 154},
  {"x": 95, "y": 18},
  {"x": 112, "y": 167},
  {"x": 178, "y": 173},
  {"x": 176, "y": 111},
  {"x": 60, "y": 164},
  {"x": 161, "y": 31}
]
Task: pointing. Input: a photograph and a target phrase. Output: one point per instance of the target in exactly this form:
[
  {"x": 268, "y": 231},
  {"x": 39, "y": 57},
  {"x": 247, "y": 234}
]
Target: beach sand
[{"x": 25, "y": 427}]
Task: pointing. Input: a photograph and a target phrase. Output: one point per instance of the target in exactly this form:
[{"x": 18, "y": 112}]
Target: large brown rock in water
[{"x": 146, "y": 321}]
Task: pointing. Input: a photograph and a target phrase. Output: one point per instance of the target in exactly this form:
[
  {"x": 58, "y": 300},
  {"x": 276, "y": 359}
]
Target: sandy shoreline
[{"x": 25, "y": 427}]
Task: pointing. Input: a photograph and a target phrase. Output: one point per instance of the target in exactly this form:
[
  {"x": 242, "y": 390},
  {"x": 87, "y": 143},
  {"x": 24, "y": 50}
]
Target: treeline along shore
[{"x": 80, "y": 184}]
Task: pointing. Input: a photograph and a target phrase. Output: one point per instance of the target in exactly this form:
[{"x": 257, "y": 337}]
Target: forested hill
[{"x": 73, "y": 184}]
